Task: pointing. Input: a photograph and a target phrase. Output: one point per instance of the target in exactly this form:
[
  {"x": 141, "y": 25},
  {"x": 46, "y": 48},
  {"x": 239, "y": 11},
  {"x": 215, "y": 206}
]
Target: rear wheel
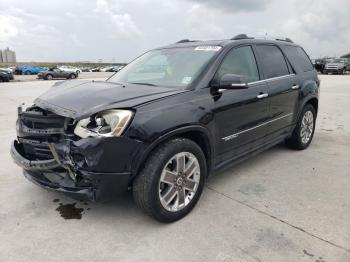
[
  {"x": 304, "y": 130},
  {"x": 72, "y": 76},
  {"x": 171, "y": 181},
  {"x": 48, "y": 77}
]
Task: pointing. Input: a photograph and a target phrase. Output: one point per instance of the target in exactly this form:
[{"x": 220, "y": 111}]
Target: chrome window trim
[
  {"x": 271, "y": 79},
  {"x": 264, "y": 80},
  {"x": 227, "y": 138}
]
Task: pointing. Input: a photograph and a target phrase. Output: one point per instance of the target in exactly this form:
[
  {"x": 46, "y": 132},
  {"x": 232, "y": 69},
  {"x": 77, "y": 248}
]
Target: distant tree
[{"x": 346, "y": 56}]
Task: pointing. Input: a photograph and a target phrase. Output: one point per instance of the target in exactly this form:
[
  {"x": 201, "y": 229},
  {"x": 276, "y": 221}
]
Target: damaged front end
[{"x": 54, "y": 157}]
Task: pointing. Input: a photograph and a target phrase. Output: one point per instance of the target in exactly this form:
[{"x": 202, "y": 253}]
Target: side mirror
[{"x": 231, "y": 81}]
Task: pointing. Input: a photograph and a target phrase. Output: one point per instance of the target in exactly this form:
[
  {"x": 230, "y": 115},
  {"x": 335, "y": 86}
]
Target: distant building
[{"x": 7, "y": 56}]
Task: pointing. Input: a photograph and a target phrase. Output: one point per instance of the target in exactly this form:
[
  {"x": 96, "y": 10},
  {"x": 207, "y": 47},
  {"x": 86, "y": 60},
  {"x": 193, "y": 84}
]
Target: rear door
[
  {"x": 239, "y": 114},
  {"x": 284, "y": 88}
]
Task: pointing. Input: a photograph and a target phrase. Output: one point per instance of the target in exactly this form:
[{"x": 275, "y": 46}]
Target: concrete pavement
[{"x": 282, "y": 205}]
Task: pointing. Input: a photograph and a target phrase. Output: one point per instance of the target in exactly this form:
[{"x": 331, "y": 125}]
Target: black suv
[{"x": 167, "y": 120}]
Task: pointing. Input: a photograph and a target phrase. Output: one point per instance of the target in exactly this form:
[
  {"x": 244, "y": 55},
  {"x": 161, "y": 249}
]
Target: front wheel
[
  {"x": 72, "y": 76},
  {"x": 304, "y": 130},
  {"x": 171, "y": 181}
]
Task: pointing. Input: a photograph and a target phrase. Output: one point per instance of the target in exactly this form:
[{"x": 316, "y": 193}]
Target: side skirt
[{"x": 233, "y": 161}]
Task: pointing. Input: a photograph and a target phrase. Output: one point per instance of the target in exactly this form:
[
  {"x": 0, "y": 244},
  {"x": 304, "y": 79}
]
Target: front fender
[{"x": 180, "y": 131}]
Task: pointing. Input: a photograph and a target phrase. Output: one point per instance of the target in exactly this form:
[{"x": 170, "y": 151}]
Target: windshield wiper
[{"x": 146, "y": 84}]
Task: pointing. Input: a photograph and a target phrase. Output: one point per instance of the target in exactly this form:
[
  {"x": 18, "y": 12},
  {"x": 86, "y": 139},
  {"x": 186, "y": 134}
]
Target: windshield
[{"x": 174, "y": 67}]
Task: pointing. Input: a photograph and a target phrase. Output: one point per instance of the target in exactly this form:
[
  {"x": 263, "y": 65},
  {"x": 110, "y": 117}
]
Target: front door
[{"x": 240, "y": 114}]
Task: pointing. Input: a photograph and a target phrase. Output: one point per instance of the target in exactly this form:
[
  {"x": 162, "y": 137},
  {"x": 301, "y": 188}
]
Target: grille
[
  {"x": 332, "y": 67},
  {"x": 35, "y": 150},
  {"x": 40, "y": 119},
  {"x": 39, "y": 127}
]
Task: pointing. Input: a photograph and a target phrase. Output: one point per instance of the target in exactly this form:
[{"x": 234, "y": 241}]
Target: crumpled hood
[{"x": 79, "y": 99}]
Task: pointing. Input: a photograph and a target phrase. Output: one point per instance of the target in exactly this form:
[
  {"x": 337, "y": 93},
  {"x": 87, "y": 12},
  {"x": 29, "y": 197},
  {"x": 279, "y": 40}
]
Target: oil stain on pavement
[{"x": 70, "y": 211}]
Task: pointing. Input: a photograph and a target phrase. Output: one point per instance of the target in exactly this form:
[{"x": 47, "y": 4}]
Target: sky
[{"x": 120, "y": 30}]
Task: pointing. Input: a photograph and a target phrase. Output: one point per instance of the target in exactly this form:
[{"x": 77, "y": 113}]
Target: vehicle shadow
[
  {"x": 230, "y": 171},
  {"x": 122, "y": 208}
]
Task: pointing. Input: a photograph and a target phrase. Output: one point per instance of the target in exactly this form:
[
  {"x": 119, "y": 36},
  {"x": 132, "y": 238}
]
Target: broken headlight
[{"x": 107, "y": 123}]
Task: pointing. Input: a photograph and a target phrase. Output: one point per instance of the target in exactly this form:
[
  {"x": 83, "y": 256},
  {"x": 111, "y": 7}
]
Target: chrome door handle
[
  {"x": 295, "y": 87},
  {"x": 260, "y": 96}
]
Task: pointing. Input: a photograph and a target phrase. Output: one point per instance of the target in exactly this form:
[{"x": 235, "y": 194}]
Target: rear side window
[
  {"x": 272, "y": 61},
  {"x": 240, "y": 61},
  {"x": 299, "y": 58}
]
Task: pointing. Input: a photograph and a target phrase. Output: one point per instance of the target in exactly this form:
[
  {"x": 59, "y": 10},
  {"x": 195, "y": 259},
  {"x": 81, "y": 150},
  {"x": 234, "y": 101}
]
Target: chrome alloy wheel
[
  {"x": 179, "y": 181},
  {"x": 307, "y": 127}
]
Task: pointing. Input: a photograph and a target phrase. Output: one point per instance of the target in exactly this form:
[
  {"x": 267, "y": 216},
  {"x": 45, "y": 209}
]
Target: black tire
[
  {"x": 72, "y": 76},
  {"x": 296, "y": 141},
  {"x": 1, "y": 80},
  {"x": 48, "y": 77},
  {"x": 27, "y": 73},
  {"x": 146, "y": 185}
]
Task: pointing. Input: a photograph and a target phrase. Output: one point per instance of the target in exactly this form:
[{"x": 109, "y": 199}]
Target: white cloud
[
  {"x": 323, "y": 29},
  {"x": 124, "y": 24},
  {"x": 234, "y": 6},
  {"x": 122, "y": 29},
  {"x": 8, "y": 27},
  {"x": 199, "y": 29}
]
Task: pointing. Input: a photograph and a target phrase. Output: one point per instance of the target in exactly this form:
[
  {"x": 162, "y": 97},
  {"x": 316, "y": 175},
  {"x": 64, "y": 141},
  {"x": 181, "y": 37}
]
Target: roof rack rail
[
  {"x": 183, "y": 41},
  {"x": 285, "y": 40},
  {"x": 241, "y": 36}
]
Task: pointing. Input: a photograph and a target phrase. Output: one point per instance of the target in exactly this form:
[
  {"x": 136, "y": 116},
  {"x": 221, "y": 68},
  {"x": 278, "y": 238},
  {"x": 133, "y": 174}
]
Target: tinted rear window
[
  {"x": 272, "y": 61},
  {"x": 299, "y": 58}
]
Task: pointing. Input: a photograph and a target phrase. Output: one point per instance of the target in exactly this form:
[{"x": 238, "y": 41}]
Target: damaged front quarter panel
[{"x": 53, "y": 157}]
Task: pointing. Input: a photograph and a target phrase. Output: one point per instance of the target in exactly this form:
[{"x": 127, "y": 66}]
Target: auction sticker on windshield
[{"x": 208, "y": 48}]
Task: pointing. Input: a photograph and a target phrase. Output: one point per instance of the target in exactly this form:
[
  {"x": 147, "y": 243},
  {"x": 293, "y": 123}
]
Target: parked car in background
[
  {"x": 106, "y": 69},
  {"x": 18, "y": 70},
  {"x": 5, "y": 76},
  {"x": 319, "y": 64},
  {"x": 8, "y": 72},
  {"x": 70, "y": 69},
  {"x": 347, "y": 62},
  {"x": 96, "y": 69},
  {"x": 53, "y": 73},
  {"x": 32, "y": 70},
  {"x": 336, "y": 66},
  {"x": 8, "y": 69},
  {"x": 111, "y": 69}
]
